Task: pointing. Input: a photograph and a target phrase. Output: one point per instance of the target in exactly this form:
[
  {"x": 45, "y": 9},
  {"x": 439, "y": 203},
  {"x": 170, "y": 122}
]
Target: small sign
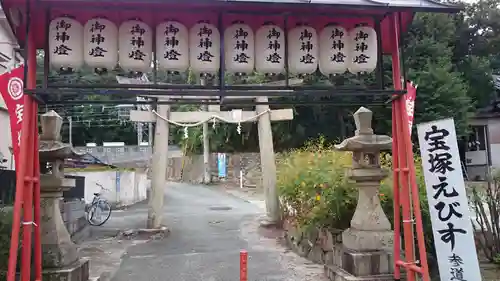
[
  {"x": 221, "y": 164},
  {"x": 448, "y": 205}
]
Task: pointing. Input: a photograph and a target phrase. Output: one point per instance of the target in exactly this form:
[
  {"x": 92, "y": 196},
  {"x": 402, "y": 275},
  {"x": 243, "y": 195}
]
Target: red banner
[
  {"x": 12, "y": 89},
  {"x": 411, "y": 95}
]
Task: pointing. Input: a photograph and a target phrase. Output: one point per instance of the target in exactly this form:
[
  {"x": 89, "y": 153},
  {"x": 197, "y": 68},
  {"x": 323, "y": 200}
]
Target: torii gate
[{"x": 263, "y": 115}]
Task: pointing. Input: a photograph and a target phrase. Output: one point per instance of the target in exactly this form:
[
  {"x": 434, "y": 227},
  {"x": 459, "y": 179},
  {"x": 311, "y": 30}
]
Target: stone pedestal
[
  {"x": 366, "y": 251},
  {"x": 57, "y": 248},
  {"x": 60, "y": 260}
]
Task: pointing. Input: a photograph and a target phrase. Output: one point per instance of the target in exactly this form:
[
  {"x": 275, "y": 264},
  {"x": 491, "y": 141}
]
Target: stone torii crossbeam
[{"x": 267, "y": 157}]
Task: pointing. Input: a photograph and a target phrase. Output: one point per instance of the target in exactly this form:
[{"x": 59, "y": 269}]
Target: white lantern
[
  {"x": 302, "y": 50},
  {"x": 135, "y": 46},
  {"x": 270, "y": 49},
  {"x": 100, "y": 48},
  {"x": 172, "y": 48},
  {"x": 204, "y": 48},
  {"x": 334, "y": 51},
  {"x": 239, "y": 50},
  {"x": 364, "y": 50},
  {"x": 66, "y": 43}
]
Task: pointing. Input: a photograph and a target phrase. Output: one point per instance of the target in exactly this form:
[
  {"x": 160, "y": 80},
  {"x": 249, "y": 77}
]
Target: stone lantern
[
  {"x": 368, "y": 242},
  {"x": 59, "y": 254}
]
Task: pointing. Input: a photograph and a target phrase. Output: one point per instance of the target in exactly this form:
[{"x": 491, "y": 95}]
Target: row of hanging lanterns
[{"x": 102, "y": 45}]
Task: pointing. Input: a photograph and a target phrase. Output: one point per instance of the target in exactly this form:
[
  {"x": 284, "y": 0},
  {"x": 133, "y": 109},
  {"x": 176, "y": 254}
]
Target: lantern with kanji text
[
  {"x": 334, "y": 51},
  {"x": 270, "y": 49},
  {"x": 135, "y": 46},
  {"x": 172, "y": 47},
  {"x": 239, "y": 48},
  {"x": 100, "y": 48},
  {"x": 303, "y": 49},
  {"x": 204, "y": 45},
  {"x": 66, "y": 43},
  {"x": 364, "y": 49}
]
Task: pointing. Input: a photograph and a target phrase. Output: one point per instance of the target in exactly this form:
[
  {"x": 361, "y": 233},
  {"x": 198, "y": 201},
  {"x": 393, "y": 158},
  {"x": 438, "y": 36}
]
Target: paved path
[{"x": 208, "y": 229}]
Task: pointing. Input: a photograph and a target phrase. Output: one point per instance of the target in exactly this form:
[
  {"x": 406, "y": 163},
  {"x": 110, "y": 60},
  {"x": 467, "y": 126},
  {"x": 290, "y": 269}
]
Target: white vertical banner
[{"x": 448, "y": 204}]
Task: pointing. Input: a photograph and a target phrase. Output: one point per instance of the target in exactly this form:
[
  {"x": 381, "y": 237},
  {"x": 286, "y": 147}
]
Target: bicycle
[{"x": 99, "y": 210}]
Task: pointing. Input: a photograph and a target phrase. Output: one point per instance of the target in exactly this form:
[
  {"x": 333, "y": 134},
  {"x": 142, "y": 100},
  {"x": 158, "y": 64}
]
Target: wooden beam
[{"x": 197, "y": 116}]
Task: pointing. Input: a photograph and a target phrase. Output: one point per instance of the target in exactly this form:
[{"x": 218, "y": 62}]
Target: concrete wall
[
  {"x": 131, "y": 156},
  {"x": 73, "y": 215},
  {"x": 122, "y": 188},
  {"x": 7, "y": 55}
]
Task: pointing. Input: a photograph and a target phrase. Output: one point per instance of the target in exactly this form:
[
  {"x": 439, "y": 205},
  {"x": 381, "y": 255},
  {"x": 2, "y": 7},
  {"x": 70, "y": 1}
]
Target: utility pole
[
  {"x": 70, "y": 130},
  {"x": 206, "y": 144},
  {"x": 139, "y": 133},
  {"x": 159, "y": 169}
]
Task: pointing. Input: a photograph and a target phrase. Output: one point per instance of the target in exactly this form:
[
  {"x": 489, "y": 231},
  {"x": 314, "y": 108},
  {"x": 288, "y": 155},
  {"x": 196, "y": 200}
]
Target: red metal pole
[
  {"x": 36, "y": 174},
  {"x": 31, "y": 118},
  {"x": 36, "y": 203},
  {"x": 243, "y": 265},
  {"x": 406, "y": 175},
  {"x": 396, "y": 204},
  {"x": 28, "y": 197}
]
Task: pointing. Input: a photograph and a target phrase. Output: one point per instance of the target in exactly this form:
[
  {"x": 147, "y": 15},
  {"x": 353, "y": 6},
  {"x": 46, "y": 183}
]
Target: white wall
[
  {"x": 7, "y": 44},
  {"x": 5, "y": 139},
  {"x": 123, "y": 188}
]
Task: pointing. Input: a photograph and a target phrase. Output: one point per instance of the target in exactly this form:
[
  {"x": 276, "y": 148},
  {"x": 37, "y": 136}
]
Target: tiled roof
[{"x": 408, "y": 4}]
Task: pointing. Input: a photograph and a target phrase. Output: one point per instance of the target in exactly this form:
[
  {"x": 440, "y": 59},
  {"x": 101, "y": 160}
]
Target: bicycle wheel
[{"x": 99, "y": 213}]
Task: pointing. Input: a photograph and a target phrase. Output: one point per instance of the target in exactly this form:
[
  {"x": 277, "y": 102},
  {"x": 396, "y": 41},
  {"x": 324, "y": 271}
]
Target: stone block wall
[
  {"x": 324, "y": 246},
  {"x": 73, "y": 215},
  {"x": 190, "y": 169}
]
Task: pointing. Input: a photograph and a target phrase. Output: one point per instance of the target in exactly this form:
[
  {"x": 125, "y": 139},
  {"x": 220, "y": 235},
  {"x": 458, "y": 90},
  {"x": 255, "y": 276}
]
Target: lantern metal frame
[{"x": 217, "y": 94}]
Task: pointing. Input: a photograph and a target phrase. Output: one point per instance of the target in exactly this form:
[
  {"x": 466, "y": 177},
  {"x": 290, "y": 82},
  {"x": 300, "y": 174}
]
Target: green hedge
[
  {"x": 5, "y": 232},
  {"x": 318, "y": 168}
]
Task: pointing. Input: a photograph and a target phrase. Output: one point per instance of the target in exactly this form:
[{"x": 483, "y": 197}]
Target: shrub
[
  {"x": 5, "y": 232},
  {"x": 319, "y": 169}
]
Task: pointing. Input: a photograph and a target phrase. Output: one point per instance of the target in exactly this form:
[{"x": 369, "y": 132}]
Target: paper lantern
[
  {"x": 100, "y": 48},
  {"x": 334, "y": 51},
  {"x": 364, "y": 50},
  {"x": 172, "y": 48},
  {"x": 303, "y": 50},
  {"x": 270, "y": 49},
  {"x": 204, "y": 48},
  {"x": 135, "y": 46},
  {"x": 66, "y": 43},
  {"x": 239, "y": 49}
]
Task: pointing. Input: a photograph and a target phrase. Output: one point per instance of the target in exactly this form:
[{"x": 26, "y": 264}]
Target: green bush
[
  {"x": 5, "y": 232},
  {"x": 317, "y": 169}
]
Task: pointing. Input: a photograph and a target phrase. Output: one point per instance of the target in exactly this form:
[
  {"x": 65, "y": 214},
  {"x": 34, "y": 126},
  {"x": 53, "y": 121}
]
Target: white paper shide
[{"x": 447, "y": 198}]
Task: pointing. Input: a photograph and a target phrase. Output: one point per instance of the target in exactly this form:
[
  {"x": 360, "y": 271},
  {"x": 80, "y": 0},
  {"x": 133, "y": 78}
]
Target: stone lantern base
[
  {"x": 351, "y": 265},
  {"x": 77, "y": 271}
]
